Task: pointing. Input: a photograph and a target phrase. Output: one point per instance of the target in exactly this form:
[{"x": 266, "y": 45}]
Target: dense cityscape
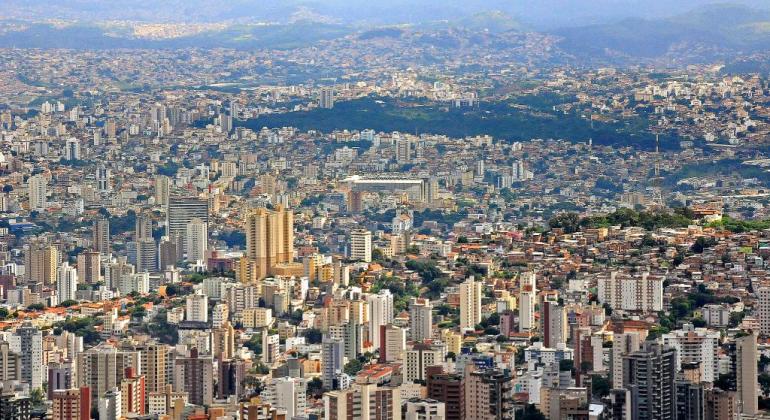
[{"x": 396, "y": 222}]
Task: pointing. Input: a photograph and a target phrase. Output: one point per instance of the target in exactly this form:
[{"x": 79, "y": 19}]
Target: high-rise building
[
  {"x": 689, "y": 400},
  {"x": 41, "y": 264},
  {"x": 403, "y": 150},
  {"x": 632, "y": 293},
  {"x": 196, "y": 240},
  {"x": 27, "y": 342},
  {"x": 417, "y": 409},
  {"x": 392, "y": 344},
  {"x": 10, "y": 363},
  {"x": 72, "y": 149},
  {"x": 361, "y": 245},
  {"x": 332, "y": 359},
  {"x": 103, "y": 368},
  {"x": 326, "y": 98},
  {"x": 143, "y": 227},
  {"x": 470, "y": 303},
  {"x": 103, "y": 175},
  {"x": 71, "y": 404},
  {"x": 162, "y": 190},
  {"x": 622, "y": 345},
  {"x": 102, "y": 236},
  {"x": 195, "y": 376},
  {"x": 746, "y": 357},
  {"x": 197, "y": 307},
  {"x": 110, "y": 404},
  {"x": 66, "y": 282},
  {"x": 146, "y": 255},
  {"x": 37, "y": 185},
  {"x": 488, "y": 394},
  {"x": 696, "y": 345},
  {"x": 420, "y": 319},
  {"x": 132, "y": 393},
  {"x": 269, "y": 241},
  {"x": 380, "y": 313},
  {"x": 419, "y": 357},
  {"x": 287, "y": 394},
  {"x": 648, "y": 375},
  {"x": 363, "y": 402},
  {"x": 449, "y": 389},
  {"x": 60, "y": 377},
  {"x": 181, "y": 211},
  {"x": 89, "y": 267},
  {"x": 720, "y": 405},
  {"x": 763, "y": 309},
  {"x": 270, "y": 347},
  {"x": 554, "y": 324}
]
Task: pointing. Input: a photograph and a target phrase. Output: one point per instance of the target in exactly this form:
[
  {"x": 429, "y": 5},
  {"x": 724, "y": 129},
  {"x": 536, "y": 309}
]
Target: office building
[{"x": 181, "y": 211}]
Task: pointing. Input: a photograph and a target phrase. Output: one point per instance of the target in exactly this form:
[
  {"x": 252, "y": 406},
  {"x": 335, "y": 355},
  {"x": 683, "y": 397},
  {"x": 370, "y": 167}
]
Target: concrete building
[
  {"x": 269, "y": 242},
  {"x": 196, "y": 240},
  {"x": 361, "y": 245},
  {"x": 470, "y": 303},
  {"x": 66, "y": 283},
  {"x": 746, "y": 357},
  {"x": 420, "y": 319}
]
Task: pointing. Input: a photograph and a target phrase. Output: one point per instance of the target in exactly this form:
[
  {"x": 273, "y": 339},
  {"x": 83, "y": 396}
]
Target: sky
[{"x": 537, "y": 14}]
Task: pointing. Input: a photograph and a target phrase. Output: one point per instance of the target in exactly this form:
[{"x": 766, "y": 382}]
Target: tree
[
  {"x": 569, "y": 222},
  {"x": 313, "y": 336},
  {"x": 530, "y": 412},
  {"x": 68, "y": 303},
  {"x": 37, "y": 397},
  {"x": 600, "y": 386},
  {"x": 764, "y": 383},
  {"x": 353, "y": 367}
]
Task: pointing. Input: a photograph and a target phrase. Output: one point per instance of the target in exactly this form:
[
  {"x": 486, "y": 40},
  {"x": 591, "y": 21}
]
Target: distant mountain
[
  {"x": 238, "y": 36},
  {"x": 706, "y": 32}
]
